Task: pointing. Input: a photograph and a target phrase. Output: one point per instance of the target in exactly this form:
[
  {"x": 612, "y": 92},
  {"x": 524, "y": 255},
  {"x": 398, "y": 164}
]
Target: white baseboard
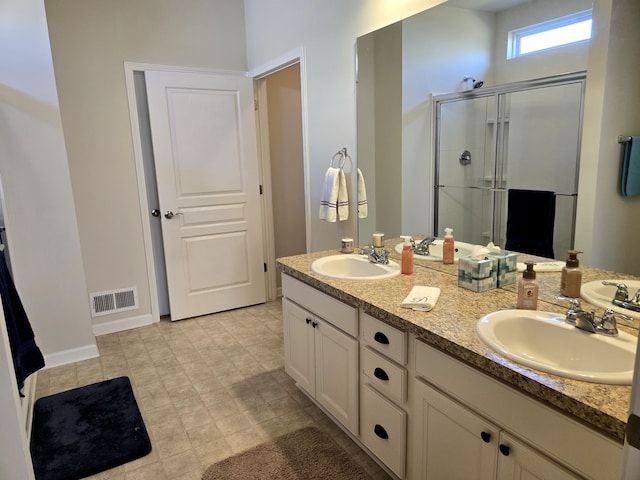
[
  {"x": 26, "y": 402},
  {"x": 122, "y": 324},
  {"x": 70, "y": 356}
]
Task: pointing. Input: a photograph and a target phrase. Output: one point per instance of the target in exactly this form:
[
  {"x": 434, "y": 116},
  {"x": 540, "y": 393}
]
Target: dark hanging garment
[
  {"x": 27, "y": 357},
  {"x": 530, "y": 222}
]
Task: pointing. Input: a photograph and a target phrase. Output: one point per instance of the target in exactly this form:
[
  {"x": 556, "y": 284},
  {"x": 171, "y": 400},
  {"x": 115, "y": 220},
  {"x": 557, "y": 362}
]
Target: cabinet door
[
  {"x": 299, "y": 347},
  {"x": 521, "y": 462},
  {"x": 451, "y": 442},
  {"x": 337, "y": 374}
]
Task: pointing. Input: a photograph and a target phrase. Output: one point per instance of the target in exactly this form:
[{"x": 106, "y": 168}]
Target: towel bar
[
  {"x": 342, "y": 153},
  {"x": 624, "y": 138}
]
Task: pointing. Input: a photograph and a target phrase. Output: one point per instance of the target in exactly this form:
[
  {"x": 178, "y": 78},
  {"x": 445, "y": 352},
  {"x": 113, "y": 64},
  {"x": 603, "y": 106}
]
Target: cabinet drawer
[
  {"x": 384, "y": 430},
  {"x": 385, "y": 339},
  {"x": 385, "y": 375},
  {"x": 343, "y": 316}
]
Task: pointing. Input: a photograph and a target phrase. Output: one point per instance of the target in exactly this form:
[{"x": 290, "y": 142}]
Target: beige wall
[
  {"x": 40, "y": 215},
  {"x": 90, "y": 41},
  {"x": 607, "y": 226},
  {"x": 287, "y": 162},
  {"x": 326, "y": 30}
]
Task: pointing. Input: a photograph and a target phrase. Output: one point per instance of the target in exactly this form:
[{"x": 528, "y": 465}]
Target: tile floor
[{"x": 207, "y": 387}]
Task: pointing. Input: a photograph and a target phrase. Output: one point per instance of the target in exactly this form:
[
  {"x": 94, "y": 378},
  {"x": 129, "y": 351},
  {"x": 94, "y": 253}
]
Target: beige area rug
[{"x": 307, "y": 454}]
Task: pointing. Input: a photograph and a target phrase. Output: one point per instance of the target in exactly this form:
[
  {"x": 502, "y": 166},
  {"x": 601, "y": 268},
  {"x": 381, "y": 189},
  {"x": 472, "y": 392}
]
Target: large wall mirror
[{"x": 418, "y": 114}]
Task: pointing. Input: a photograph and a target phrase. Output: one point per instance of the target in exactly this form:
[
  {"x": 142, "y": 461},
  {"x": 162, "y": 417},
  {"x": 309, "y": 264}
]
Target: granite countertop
[{"x": 450, "y": 327}]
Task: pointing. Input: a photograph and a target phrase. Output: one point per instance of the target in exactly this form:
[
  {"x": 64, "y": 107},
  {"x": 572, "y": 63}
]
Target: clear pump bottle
[
  {"x": 406, "y": 266},
  {"x": 528, "y": 289}
]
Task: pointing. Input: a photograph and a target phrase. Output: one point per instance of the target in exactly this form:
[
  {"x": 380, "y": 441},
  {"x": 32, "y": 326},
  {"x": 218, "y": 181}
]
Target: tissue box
[
  {"x": 476, "y": 274},
  {"x": 507, "y": 267}
]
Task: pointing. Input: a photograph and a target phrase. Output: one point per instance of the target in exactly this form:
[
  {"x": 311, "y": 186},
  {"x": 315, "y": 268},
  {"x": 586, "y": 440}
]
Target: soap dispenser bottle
[
  {"x": 571, "y": 278},
  {"x": 406, "y": 266},
  {"x": 528, "y": 289},
  {"x": 447, "y": 247}
]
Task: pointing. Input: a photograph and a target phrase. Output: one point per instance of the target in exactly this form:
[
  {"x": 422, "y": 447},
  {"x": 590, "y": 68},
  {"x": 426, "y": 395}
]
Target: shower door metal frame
[{"x": 499, "y": 91}]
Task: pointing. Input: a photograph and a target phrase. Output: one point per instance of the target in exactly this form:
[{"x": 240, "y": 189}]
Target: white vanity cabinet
[
  {"x": 468, "y": 425},
  {"x": 457, "y": 443},
  {"x": 321, "y": 349}
]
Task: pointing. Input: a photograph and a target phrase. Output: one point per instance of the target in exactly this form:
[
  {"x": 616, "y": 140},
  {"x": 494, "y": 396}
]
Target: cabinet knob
[
  {"x": 308, "y": 320},
  {"x": 381, "y": 338},
  {"x": 314, "y": 324},
  {"x": 381, "y": 374},
  {"x": 486, "y": 437},
  {"x": 504, "y": 449},
  {"x": 381, "y": 432}
]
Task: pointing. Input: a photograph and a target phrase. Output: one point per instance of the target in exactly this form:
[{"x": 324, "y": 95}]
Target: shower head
[{"x": 474, "y": 84}]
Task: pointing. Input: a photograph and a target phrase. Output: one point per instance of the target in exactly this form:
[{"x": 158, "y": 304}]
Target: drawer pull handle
[
  {"x": 504, "y": 449},
  {"x": 381, "y": 338},
  {"x": 381, "y": 374},
  {"x": 486, "y": 437},
  {"x": 381, "y": 432}
]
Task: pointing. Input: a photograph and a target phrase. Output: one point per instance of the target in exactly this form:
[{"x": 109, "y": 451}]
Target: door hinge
[
  {"x": 265, "y": 267},
  {"x": 260, "y": 189},
  {"x": 255, "y": 104}
]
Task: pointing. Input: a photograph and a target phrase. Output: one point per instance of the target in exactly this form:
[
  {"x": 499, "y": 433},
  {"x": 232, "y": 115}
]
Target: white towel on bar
[
  {"x": 422, "y": 298},
  {"x": 343, "y": 198},
  {"x": 329, "y": 199},
  {"x": 363, "y": 209}
]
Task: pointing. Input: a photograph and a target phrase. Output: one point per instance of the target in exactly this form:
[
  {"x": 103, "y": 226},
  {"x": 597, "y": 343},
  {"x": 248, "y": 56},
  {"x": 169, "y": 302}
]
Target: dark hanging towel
[
  {"x": 530, "y": 221},
  {"x": 27, "y": 357}
]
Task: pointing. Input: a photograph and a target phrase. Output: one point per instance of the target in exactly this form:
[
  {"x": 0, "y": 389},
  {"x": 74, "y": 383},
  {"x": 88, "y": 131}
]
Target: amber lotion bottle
[
  {"x": 447, "y": 247},
  {"x": 571, "y": 279},
  {"x": 406, "y": 266},
  {"x": 528, "y": 289}
]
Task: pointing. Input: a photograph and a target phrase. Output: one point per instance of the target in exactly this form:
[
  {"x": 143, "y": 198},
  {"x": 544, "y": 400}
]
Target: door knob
[
  {"x": 169, "y": 214},
  {"x": 155, "y": 212}
]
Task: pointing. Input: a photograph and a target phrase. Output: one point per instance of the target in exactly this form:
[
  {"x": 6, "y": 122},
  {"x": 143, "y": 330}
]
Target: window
[{"x": 552, "y": 34}]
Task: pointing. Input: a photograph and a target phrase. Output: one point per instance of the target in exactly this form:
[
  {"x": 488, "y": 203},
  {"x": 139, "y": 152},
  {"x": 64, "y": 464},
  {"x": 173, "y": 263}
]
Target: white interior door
[{"x": 204, "y": 143}]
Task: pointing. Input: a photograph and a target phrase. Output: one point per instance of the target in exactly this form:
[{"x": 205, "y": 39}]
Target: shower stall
[{"x": 522, "y": 137}]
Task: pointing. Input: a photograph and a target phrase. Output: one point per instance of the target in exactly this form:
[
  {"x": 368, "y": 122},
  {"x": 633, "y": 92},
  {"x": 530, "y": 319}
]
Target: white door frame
[
  {"x": 260, "y": 75},
  {"x": 284, "y": 61}
]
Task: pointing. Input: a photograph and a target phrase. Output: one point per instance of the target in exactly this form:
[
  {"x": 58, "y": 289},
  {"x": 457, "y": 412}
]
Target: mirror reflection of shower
[{"x": 524, "y": 136}]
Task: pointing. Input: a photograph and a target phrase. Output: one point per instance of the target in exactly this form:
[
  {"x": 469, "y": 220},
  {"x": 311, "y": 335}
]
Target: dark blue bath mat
[{"x": 87, "y": 430}]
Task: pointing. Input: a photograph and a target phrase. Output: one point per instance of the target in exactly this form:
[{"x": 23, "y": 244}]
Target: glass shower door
[
  {"x": 466, "y": 167},
  {"x": 526, "y": 139}
]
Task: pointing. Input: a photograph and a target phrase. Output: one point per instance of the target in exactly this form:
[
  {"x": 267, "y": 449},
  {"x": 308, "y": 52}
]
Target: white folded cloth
[
  {"x": 343, "y": 199},
  {"x": 329, "y": 199},
  {"x": 421, "y": 298},
  {"x": 363, "y": 209},
  {"x": 543, "y": 266}
]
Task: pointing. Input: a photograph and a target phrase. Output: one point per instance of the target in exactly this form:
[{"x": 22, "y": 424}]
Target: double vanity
[{"x": 427, "y": 398}]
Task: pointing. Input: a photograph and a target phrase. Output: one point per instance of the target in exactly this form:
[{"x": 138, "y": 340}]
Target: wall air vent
[{"x": 113, "y": 301}]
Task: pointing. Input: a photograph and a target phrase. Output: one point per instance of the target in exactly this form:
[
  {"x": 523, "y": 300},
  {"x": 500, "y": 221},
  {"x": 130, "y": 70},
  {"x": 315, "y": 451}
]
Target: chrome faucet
[
  {"x": 381, "y": 256},
  {"x": 422, "y": 248},
  {"x": 588, "y": 322},
  {"x": 621, "y": 297}
]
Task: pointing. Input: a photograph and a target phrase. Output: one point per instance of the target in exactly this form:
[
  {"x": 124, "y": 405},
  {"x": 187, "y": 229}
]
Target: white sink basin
[
  {"x": 601, "y": 295},
  {"x": 542, "y": 340},
  {"x": 462, "y": 249},
  {"x": 354, "y": 267}
]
